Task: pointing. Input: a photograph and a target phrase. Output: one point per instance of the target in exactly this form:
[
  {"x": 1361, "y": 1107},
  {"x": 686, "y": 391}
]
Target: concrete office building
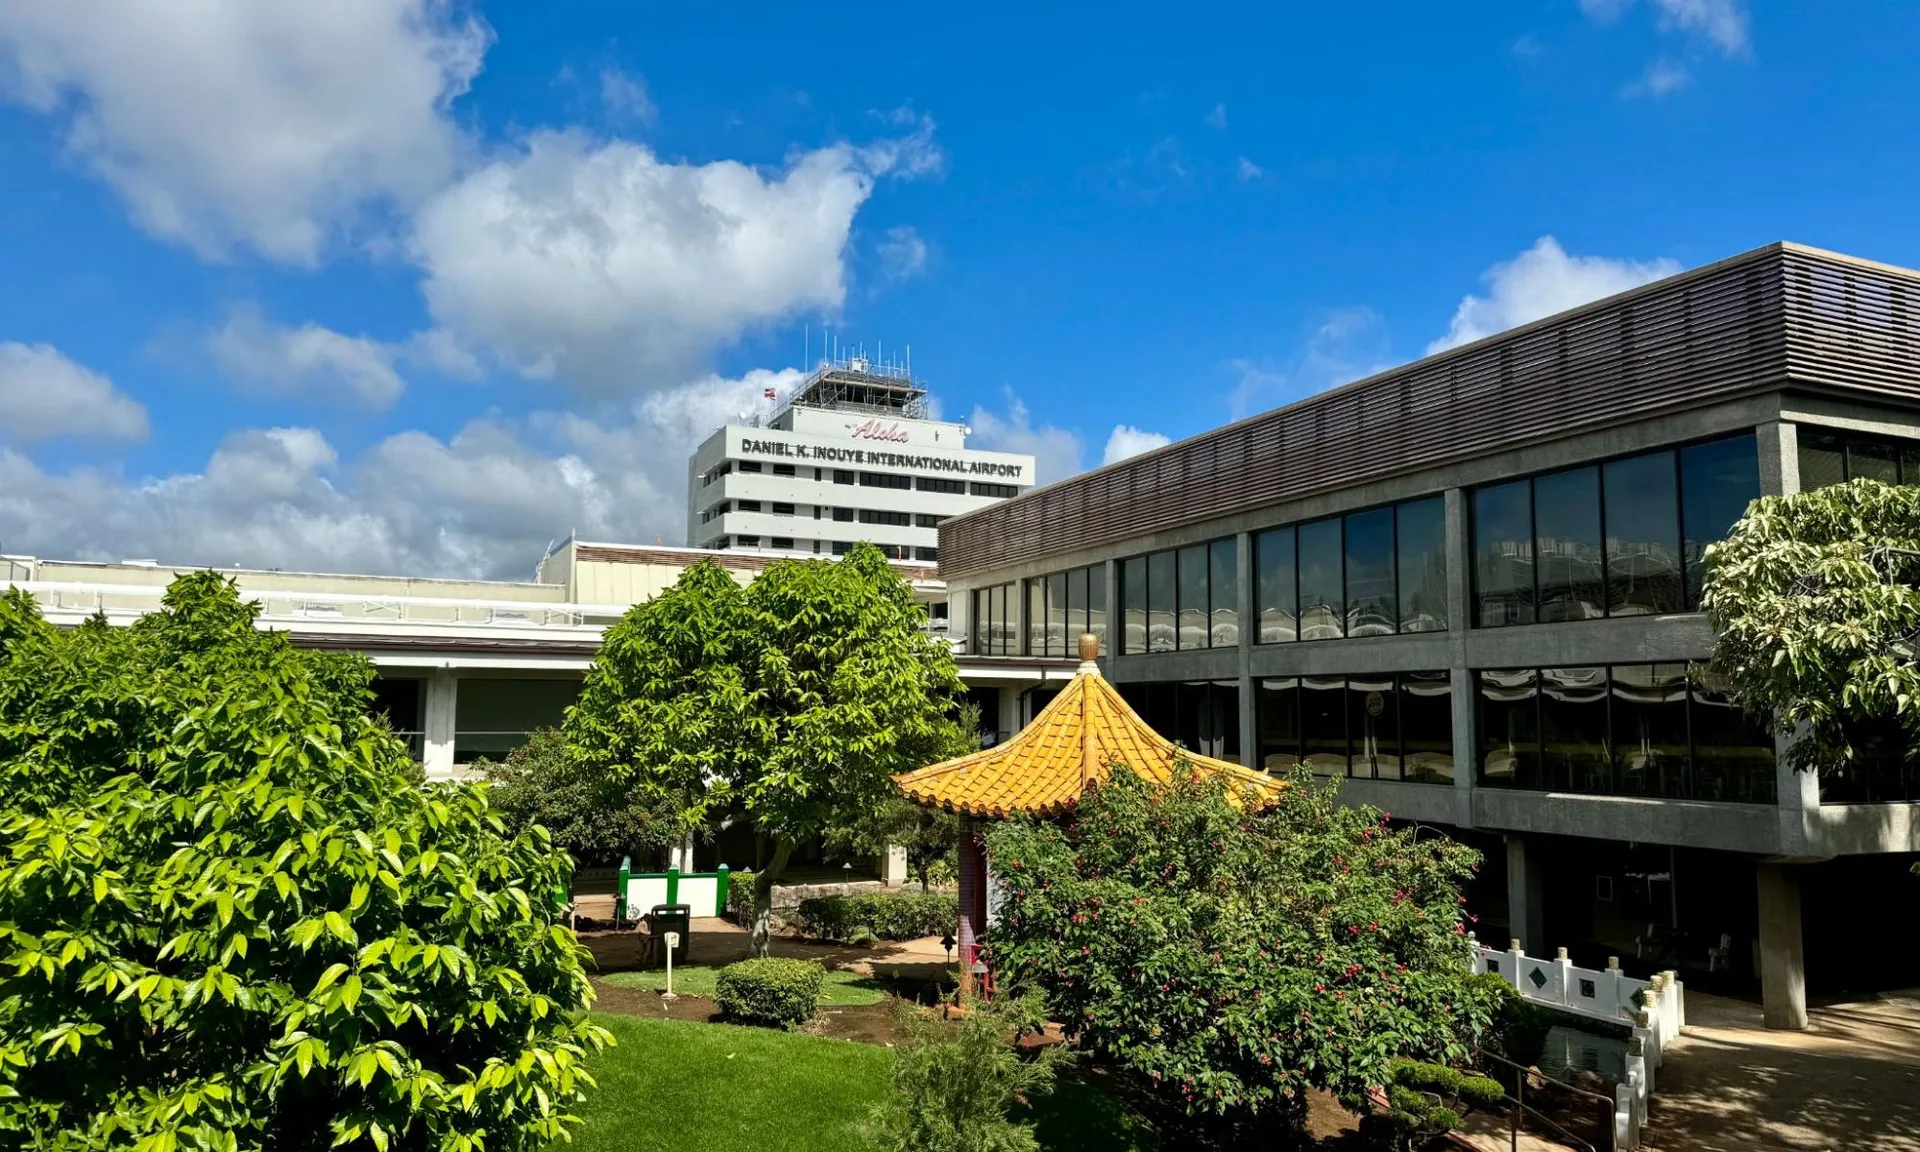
[
  {"x": 852, "y": 456},
  {"x": 1470, "y": 586}
]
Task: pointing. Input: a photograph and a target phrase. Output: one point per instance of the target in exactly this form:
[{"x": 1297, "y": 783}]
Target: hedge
[
  {"x": 895, "y": 916},
  {"x": 774, "y": 990}
]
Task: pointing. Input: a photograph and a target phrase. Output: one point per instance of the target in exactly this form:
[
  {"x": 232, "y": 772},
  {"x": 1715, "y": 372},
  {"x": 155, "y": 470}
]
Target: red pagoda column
[{"x": 973, "y": 899}]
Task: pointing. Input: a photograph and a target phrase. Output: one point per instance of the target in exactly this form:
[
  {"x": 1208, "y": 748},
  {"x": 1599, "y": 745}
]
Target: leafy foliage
[
  {"x": 893, "y": 916},
  {"x": 584, "y": 811},
  {"x": 773, "y": 990},
  {"x": 796, "y": 700},
  {"x": 955, "y": 1082},
  {"x": 228, "y": 920},
  {"x": 1236, "y": 956},
  {"x": 1816, "y": 597},
  {"x": 1425, "y": 1101}
]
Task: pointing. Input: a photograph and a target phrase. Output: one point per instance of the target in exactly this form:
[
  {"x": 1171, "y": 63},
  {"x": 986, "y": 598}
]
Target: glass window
[
  {"x": 1426, "y": 726},
  {"x": 1133, "y": 604},
  {"x": 493, "y": 717},
  {"x": 1193, "y": 596},
  {"x": 1273, "y": 557},
  {"x": 1643, "y": 536},
  {"x": 1508, "y": 727},
  {"x": 1160, "y": 602},
  {"x": 1503, "y": 555},
  {"x": 1372, "y": 608},
  {"x": 1717, "y": 482},
  {"x": 1076, "y": 609},
  {"x": 1323, "y": 724},
  {"x": 1278, "y": 720},
  {"x": 1373, "y": 719},
  {"x": 1224, "y": 573},
  {"x": 1191, "y": 726},
  {"x": 1822, "y": 459},
  {"x": 1036, "y": 616},
  {"x": 1097, "y": 604},
  {"x": 1573, "y": 730},
  {"x": 1567, "y": 547},
  {"x": 1732, "y": 752},
  {"x": 1057, "y": 641},
  {"x": 1650, "y": 729},
  {"x": 1225, "y": 713},
  {"x": 1910, "y": 465},
  {"x": 1321, "y": 591},
  {"x": 1421, "y": 553},
  {"x": 1873, "y": 460}
]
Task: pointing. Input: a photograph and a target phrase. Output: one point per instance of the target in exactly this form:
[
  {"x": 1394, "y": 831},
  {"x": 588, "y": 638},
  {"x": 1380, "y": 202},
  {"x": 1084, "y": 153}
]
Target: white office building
[{"x": 851, "y": 456}]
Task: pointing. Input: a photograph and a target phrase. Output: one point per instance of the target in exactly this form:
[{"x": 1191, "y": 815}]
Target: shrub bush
[
  {"x": 955, "y": 1082},
  {"x": 894, "y": 916},
  {"x": 774, "y": 990},
  {"x": 1424, "y": 1102},
  {"x": 740, "y": 898}
]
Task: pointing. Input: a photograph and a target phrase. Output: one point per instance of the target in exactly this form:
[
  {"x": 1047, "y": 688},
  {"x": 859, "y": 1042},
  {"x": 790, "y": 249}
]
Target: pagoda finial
[{"x": 1089, "y": 652}]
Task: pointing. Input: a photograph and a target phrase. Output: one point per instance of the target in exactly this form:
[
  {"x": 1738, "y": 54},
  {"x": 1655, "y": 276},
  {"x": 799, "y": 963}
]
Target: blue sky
[{"x": 416, "y": 286}]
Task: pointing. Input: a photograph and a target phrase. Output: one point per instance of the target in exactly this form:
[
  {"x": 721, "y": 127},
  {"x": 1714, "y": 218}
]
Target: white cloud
[
  {"x": 236, "y": 122},
  {"x": 1662, "y": 78},
  {"x": 903, "y": 254},
  {"x": 1217, "y": 119},
  {"x": 610, "y": 268},
  {"x": 1539, "y": 282},
  {"x": 1057, "y": 452},
  {"x": 625, "y": 96},
  {"x": 1130, "y": 441},
  {"x": 308, "y": 360},
  {"x": 1723, "y": 23},
  {"x": 485, "y": 502},
  {"x": 1248, "y": 170},
  {"x": 43, "y": 395},
  {"x": 1345, "y": 346}
]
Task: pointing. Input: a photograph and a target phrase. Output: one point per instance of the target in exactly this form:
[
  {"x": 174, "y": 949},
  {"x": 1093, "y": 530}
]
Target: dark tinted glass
[
  {"x": 1567, "y": 545},
  {"x": 1076, "y": 609},
  {"x": 1717, "y": 482},
  {"x": 1650, "y": 729},
  {"x": 1822, "y": 460},
  {"x": 1323, "y": 724},
  {"x": 1372, "y": 607},
  {"x": 1191, "y": 729},
  {"x": 1057, "y": 640},
  {"x": 978, "y": 644},
  {"x": 1503, "y": 555},
  {"x": 1643, "y": 536},
  {"x": 1278, "y": 720},
  {"x": 1223, "y": 567},
  {"x": 1732, "y": 754},
  {"x": 1508, "y": 726},
  {"x": 1422, "y": 562},
  {"x": 1321, "y": 594},
  {"x": 1133, "y": 604},
  {"x": 1160, "y": 602},
  {"x": 1910, "y": 466},
  {"x": 1193, "y": 596},
  {"x": 1273, "y": 556},
  {"x": 1873, "y": 460},
  {"x": 1573, "y": 730},
  {"x": 1373, "y": 720},
  {"x": 1036, "y": 592},
  {"x": 1426, "y": 726},
  {"x": 1097, "y": 604}
]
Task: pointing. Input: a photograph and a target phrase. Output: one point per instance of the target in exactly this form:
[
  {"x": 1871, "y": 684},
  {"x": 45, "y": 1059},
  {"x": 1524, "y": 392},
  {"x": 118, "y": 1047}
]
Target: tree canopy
[
  {"x": 1232, "y": 956},
  {"x": 230, "y": 918},
  {"x": 1816, "y": 597},
  {"x": 596, "y": 821}
]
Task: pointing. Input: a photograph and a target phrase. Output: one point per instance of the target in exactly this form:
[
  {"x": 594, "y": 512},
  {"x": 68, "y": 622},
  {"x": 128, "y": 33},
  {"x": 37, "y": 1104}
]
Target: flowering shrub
[{"x": 1236, "y": 957}]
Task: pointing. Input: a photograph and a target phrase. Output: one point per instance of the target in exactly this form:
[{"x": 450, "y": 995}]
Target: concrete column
[
  {"x": 1466, "y": 754},
  {"x": 1249, "y": 630},
  {"x": 1779, "y": 458},
  {"x": 1526, "y": 901},
  {"x": 442, "y": 706},
  {"x": 1783, "y": 969},
  {"x": 1116, "y": 620},
  {"x": 1009, "y": 720},
  {"x": 893, "y": 867},
  {"x": 1799, "y": 797}
]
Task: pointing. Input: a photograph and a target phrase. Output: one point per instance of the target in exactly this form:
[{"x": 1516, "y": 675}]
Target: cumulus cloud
[
  {"x": 1346, "y": 345},
  {"x": 625, "y": 96},
  {"x": 605, "y": 266},
  {"x": 43, "y": 395},
  {"x": 1127, "y": 440},
  {"x": 903, "y": 254},
  {"x": 484, "y": 502},
  {"x": 1057, "y": 452},
  {"x": 1246, "y": 169},
  {"x": 1722, "y": 23},
  {"x": 1539, "y": 282},
  {"x": 1217, "y": 119},
  {"x": 308, "y": 360},
  {"x": 1661, "y": 78},
  {"x": 227, "y": 123}
]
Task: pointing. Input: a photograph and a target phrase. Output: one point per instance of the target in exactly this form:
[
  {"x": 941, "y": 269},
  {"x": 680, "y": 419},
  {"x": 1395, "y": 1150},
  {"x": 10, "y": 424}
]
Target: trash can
[{"x": 667, "y": 918}]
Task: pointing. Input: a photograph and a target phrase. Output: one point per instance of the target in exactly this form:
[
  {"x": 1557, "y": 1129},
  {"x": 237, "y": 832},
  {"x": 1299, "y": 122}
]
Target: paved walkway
[
  {"x": 720, "y": 942},
  {"x": 1851, "y": 1081}
]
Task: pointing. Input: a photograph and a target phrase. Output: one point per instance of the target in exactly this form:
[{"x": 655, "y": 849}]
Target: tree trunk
[{"x": 763, "y": 882}]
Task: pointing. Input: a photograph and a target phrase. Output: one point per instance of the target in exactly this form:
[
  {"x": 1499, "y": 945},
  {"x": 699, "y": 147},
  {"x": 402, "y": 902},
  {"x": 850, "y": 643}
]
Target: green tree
[
  {"x": 585, "y": 812},
  {"x": 228, "y": 920},
  {"x": 1816, "y": 597},
  {"x": 794, "y": 700},
  {"x": 1232, "y": 956}
]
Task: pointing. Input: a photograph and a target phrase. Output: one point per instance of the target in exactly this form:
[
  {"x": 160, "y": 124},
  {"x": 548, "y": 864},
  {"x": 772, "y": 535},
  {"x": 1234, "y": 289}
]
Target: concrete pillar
[
  {"x": 1526, "y": 900},
  {"x": 442, "y": 707},
  {"x": 1783, "y": 969},
  {"x": 1249, "y": 631},
  {"x": 893, "y": 866},
  {"x": 1009, "y": 721},
  {"x": 1779, "y": 444},
  {"x": 1466, "y": 755}
]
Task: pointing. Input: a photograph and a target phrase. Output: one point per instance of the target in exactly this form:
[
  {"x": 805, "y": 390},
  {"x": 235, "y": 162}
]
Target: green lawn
[
  {"x": 842, "y": 989},
  {"x": 672, "y": 1085}
]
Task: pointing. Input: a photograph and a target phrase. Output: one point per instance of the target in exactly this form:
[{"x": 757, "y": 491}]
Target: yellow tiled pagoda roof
[{"x": 1076, "y": 740}]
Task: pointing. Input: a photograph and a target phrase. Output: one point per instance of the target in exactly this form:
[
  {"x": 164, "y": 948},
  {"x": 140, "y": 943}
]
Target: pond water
[{"x": 1570, "y": 1048}]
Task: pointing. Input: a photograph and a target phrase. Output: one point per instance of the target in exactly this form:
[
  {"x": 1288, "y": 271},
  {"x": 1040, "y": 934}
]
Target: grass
[
  {"x": 671, "y": 1085},
  {"x": 842, "y": 989}
]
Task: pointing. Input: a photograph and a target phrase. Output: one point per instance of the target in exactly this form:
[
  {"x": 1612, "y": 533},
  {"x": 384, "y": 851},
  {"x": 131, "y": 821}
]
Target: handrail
[
  {"x": 154, "y": 592},
  {"x": 1520, "y": 1105}
]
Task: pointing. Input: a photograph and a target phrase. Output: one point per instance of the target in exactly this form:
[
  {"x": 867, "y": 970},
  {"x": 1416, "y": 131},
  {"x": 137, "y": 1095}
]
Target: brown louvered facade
[{"x": 1782, "y": 316}]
